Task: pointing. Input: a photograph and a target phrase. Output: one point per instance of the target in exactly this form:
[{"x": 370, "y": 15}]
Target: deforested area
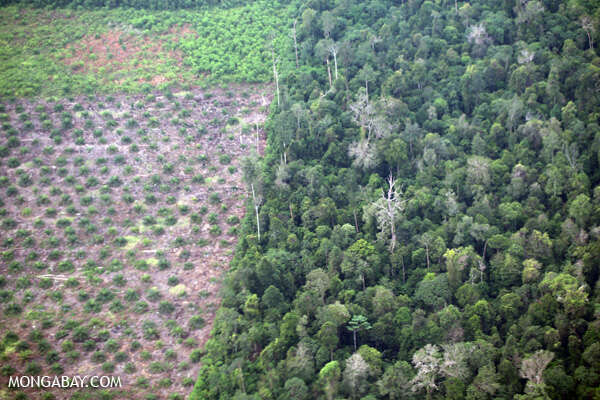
[{"x": 118, "y": 223}]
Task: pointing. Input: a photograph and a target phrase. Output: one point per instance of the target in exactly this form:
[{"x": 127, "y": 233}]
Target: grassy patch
[
  {"x": 66, "y": 51},
  {"x": 132, "y": 241},
  {"x": 153, "y": 262},
  {"x": 178, "y": 290}
]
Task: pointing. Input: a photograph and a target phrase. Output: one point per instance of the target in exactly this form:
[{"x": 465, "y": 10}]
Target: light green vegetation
[{"x": 64, "y": 51}]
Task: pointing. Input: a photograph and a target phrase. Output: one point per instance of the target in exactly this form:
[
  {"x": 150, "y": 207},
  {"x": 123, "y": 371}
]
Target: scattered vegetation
[{"x": 100, "y": 251}]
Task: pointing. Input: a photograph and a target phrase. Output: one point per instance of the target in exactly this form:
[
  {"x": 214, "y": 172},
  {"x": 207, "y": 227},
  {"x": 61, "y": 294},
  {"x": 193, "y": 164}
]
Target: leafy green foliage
[
  {"x": 483, "y": 270},
  {"x": 82, "y": 54}
]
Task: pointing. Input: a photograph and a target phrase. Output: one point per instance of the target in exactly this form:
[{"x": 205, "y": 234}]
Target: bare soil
[
  {"x": 105, "y": 54},
  {"x": 141, "y": 194}
]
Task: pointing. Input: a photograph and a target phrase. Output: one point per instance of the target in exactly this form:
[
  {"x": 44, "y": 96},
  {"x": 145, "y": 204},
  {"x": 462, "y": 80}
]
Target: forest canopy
[{"x": 431, "y": 207}]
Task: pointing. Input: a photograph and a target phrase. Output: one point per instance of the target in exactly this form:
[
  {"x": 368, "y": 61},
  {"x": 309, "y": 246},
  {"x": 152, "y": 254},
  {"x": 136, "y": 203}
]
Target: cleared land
[{"x": 118, "y": 215}]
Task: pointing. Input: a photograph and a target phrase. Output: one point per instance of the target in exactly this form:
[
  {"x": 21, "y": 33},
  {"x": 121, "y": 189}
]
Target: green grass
[{"x": 178, "y": 290}]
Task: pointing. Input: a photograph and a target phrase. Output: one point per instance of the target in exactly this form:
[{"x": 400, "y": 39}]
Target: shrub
[
  {"x": 165, "y": 307},
  {"x": 140, "y": 307},
  {"x": 103, "y": 335},
  {"x": 130, "y": 368},
  {"x": 81, "y": 334},
  {"x": 104, "y": 296},
  {"x": 45, "y": 283},
  {"x": 157, "y": 367},
  {"x": 188, "y": 266},
  {"x": 72, "y": 355},
  {"x": 131, "y": 295},
  {"x": 52, "y": 357},
  {"x": 121, "y": 356},
  {"x": 13, "y": 309},
  {"x": 89, "y": 345},
  {"x": 116, "y": 306},
  {"x": 33, "y": 368},
  {"x": 163, "y": 264},
  {"x": 196, "y": 322},
  {"x": 214, "y": 198},
  {"x": 196, "y": 356},
  {"x": 225, "y": 159},
  {"x": 98, "y": 357},
  {"x": 150, "y": 330}
]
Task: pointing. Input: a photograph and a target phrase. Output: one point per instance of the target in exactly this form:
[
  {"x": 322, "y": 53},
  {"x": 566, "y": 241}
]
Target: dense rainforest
[
  {"x": 427, "y": 209},
  {"x": 425, "y": 219}
]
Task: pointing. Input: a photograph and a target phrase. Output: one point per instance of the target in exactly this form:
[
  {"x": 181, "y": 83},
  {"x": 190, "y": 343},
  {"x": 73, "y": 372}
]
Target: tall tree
[
  {"x": 427, "y": 362},
  {"x": 587, "y": 23},
  {"x": 532, "y": 369},
  {"x": 251, "y": 171},
  {"x": 275, "y": 61},
  {"x": 367, "y": 74},
  {"x": 371, "y": 117},
  {"x": 358, "y": 323},
  {"x": 329, "y": 378},
  {"x": 355, "y": 374},
  {"x": 294, "y": 37},
  {"x": 395, "y": 382},
  {"x": 388, "y": 210}
]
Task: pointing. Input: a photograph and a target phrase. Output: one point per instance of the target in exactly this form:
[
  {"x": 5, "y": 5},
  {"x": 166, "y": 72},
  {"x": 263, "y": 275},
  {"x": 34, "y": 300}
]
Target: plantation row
[{"x": 117, "y": 216}]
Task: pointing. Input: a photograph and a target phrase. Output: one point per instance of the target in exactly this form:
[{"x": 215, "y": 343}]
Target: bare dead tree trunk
[
  {"x": 334, "y": 53},
  {"x": 275, "y": 75},
  {"x": 242, "y": 383},
  {"x": 295, "y": 42},
  {"x": 256, "y": 211},
  {"x": 391, "y": 198},
  {"x": 387, "y": 210},
  {"x": 355, "y": 219},
  {"x": 329, "y": 73},
  {"x": 393, "y": 229}
]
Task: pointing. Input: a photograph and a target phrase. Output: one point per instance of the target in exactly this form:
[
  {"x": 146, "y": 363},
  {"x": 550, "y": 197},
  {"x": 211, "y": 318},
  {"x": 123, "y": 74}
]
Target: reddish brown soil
[
  {"x": 182, "y": 31},
  {"x": 121, "y": 51},
  {"x": 115, "y": 50}
]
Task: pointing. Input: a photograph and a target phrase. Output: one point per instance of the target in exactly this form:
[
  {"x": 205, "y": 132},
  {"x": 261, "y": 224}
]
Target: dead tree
[
  {"x": 388, "y": 209},
  {"x": 295, "y": 41},
  {"x": 251, "y": 171},
  {"x": 588, "y": 26}
]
